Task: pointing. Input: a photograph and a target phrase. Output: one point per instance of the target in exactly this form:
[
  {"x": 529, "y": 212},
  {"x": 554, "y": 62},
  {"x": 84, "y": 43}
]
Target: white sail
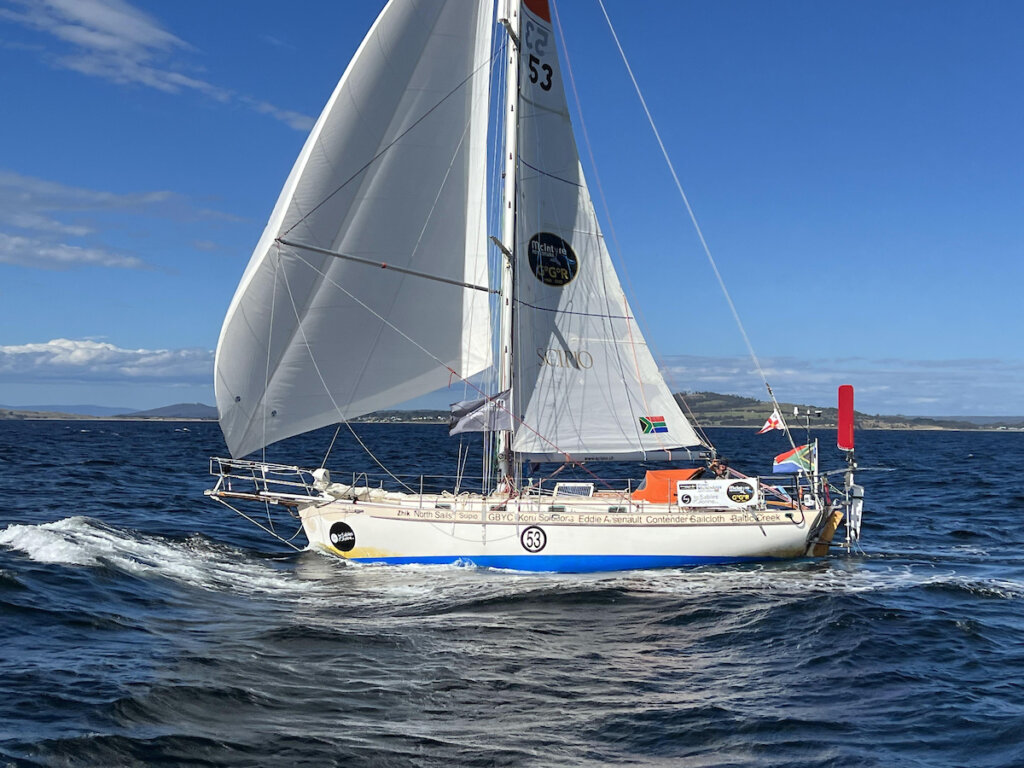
[
  {"x": 586, "y": 384},
  {"x": 393, "y": 171}
]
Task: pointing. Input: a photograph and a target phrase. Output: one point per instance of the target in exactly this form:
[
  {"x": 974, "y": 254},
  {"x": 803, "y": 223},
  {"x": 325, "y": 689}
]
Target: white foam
[
  {"x": 808, "y": 579},
  {"x": 78, "y": 541},
  {"x": 44, "y": 545},
  {"x": 415, "y": 584}
]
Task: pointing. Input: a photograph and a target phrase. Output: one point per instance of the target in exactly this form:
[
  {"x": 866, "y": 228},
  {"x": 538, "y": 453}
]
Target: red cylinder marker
[{"x": 845, "y": 436}]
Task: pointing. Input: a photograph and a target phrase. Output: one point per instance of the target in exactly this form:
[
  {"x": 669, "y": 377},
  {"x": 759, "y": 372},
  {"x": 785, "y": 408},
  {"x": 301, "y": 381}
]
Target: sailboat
[{"x": 371, "y": 286}]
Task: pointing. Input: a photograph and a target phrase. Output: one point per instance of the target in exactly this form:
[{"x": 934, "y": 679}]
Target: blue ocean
[{"x": 142, "y": 624}]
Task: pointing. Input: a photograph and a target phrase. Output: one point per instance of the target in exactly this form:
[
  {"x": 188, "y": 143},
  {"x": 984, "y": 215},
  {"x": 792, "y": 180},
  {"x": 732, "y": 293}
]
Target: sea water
[{"x": 142, "y": 624}]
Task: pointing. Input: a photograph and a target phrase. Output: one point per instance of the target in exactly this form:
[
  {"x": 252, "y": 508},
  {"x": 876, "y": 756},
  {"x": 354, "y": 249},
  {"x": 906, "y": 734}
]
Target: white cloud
[
  {"x": 277, "y": 42},
  {"x": 34, "y": 221},
  {"x": 19, "y": 194},
  {"x": 295, "y": 120},
  {"x": 971, "y": 387},
  {"x": 114, "y": 41},
  {"x": 49, "y": 215},
  {"x": 35, "y": 252},
  {"x": 41, "y": 209},
  {"x": 111, "y": 25},
  {"x": 68, "y": 360}
]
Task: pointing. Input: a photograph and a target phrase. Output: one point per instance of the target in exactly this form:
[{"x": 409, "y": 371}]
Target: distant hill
[
  {"x": 985, "y": 421},
  {"x": 426, "y": 416},
  {"x": 74, "y": 410},
  {"x": 178, "y": 411},
  {"x": 18, "y": 414},
  {"x": 188, "y": 411},
  {"x": 712, "y": 409}
]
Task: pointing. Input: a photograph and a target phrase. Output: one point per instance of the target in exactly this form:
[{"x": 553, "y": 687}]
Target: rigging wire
[
  {"x": 331, "y": 446},
  {"x": 415, "y": 248},
  {"x": 301, "y": 329},
  {"x": 327, "y": 389},
  {"x": 636, "y": 313},
  {"x": 696, "y": 225},
  {"x": 567, "y": 457},
  {"x": 270, "y": 336},
  {"x": 381, "y": 153},
  {"x": 570, "y": 324}
]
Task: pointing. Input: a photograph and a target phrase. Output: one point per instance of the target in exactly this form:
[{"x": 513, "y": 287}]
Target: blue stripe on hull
[{"x": 565, "y": 563}]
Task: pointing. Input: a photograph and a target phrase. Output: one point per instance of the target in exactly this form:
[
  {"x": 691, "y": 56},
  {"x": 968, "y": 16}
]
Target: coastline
[{"x": 70, "y": 417}]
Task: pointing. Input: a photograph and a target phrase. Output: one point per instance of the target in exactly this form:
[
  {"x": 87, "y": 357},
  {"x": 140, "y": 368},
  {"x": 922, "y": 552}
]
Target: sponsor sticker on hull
[{"x": 730, "y": 494}]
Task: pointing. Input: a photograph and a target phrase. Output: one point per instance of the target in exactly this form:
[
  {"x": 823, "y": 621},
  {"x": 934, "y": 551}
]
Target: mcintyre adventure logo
[{"x": 552, "y": 260}]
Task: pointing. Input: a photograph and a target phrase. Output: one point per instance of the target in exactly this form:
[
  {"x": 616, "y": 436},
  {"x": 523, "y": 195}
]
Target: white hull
[{"x": 532, "y": 534}]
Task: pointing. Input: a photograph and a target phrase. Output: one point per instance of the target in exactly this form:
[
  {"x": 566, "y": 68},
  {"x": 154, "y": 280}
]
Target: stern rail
[{"x": 265, "y": 481}]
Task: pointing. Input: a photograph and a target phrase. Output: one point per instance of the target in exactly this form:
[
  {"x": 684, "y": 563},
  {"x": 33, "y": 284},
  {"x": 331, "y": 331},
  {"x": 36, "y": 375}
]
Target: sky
[{"x": 857, "y": 170}]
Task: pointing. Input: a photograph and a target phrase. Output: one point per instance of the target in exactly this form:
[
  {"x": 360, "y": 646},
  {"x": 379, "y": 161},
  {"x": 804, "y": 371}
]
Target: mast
[{"x": 510, "y": 21}]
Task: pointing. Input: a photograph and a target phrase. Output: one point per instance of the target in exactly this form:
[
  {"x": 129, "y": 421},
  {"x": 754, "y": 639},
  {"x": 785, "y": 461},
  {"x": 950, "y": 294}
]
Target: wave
[
  {"x": 196, "y": 561},
  {"x": 46, "y": 543},
  {"x": 317, "y": 581}
]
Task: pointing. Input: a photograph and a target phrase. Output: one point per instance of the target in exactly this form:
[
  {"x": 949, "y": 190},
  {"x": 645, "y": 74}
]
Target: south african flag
[
  {"x": 801, "y": 458},
  {"x": 653, "y": 424}
]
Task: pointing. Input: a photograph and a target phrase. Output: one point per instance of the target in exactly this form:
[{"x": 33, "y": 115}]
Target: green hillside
[
  {"x": 707, "y": 409},
  {"x": 712, "y": 409}
]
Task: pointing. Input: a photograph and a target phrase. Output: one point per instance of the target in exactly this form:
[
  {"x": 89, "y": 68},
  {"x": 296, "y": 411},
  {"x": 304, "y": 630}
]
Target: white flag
[
  {"x": 774, "y": 422},
  {"x": 486, "y": 414}
]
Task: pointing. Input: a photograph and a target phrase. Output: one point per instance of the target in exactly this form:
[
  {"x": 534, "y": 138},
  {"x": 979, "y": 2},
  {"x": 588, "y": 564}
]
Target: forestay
[
  {"x": 586, "y": 382},
  {"x": 394, "y": 171}
]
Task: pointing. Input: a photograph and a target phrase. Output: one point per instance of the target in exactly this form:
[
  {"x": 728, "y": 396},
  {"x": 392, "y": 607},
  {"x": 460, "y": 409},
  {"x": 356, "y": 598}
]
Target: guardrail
[{"x": 282, "y": 482}]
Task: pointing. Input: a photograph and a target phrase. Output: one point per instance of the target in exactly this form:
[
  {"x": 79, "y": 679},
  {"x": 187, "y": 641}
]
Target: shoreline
[{"x": 187, "y": 420}]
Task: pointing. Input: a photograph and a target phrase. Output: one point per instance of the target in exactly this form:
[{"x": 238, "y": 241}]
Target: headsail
[
  {"x": 586, "y": 382},
  {"x": 395, "y": 171}
]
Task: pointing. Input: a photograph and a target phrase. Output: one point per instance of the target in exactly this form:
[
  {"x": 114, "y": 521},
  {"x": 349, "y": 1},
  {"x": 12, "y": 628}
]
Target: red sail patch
[{"x": 539, "y": 8}]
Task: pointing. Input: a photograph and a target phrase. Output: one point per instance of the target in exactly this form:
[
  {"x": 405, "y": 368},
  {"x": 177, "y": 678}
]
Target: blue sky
[{"x": 857, "y": 168}]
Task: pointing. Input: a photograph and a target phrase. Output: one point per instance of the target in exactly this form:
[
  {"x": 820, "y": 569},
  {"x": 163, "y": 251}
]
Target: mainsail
[
  {"x": 586, "y": 383},
  {"x": 393, "y": 171}
]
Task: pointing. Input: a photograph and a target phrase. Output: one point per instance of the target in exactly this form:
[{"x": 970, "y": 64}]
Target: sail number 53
[
  {"x": 536, "y": 40},
  {"x": 534, "y": 76}
]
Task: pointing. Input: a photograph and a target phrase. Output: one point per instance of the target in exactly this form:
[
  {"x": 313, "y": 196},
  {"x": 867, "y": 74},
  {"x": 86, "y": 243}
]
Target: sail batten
[{"x": 393, "y": 171}]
